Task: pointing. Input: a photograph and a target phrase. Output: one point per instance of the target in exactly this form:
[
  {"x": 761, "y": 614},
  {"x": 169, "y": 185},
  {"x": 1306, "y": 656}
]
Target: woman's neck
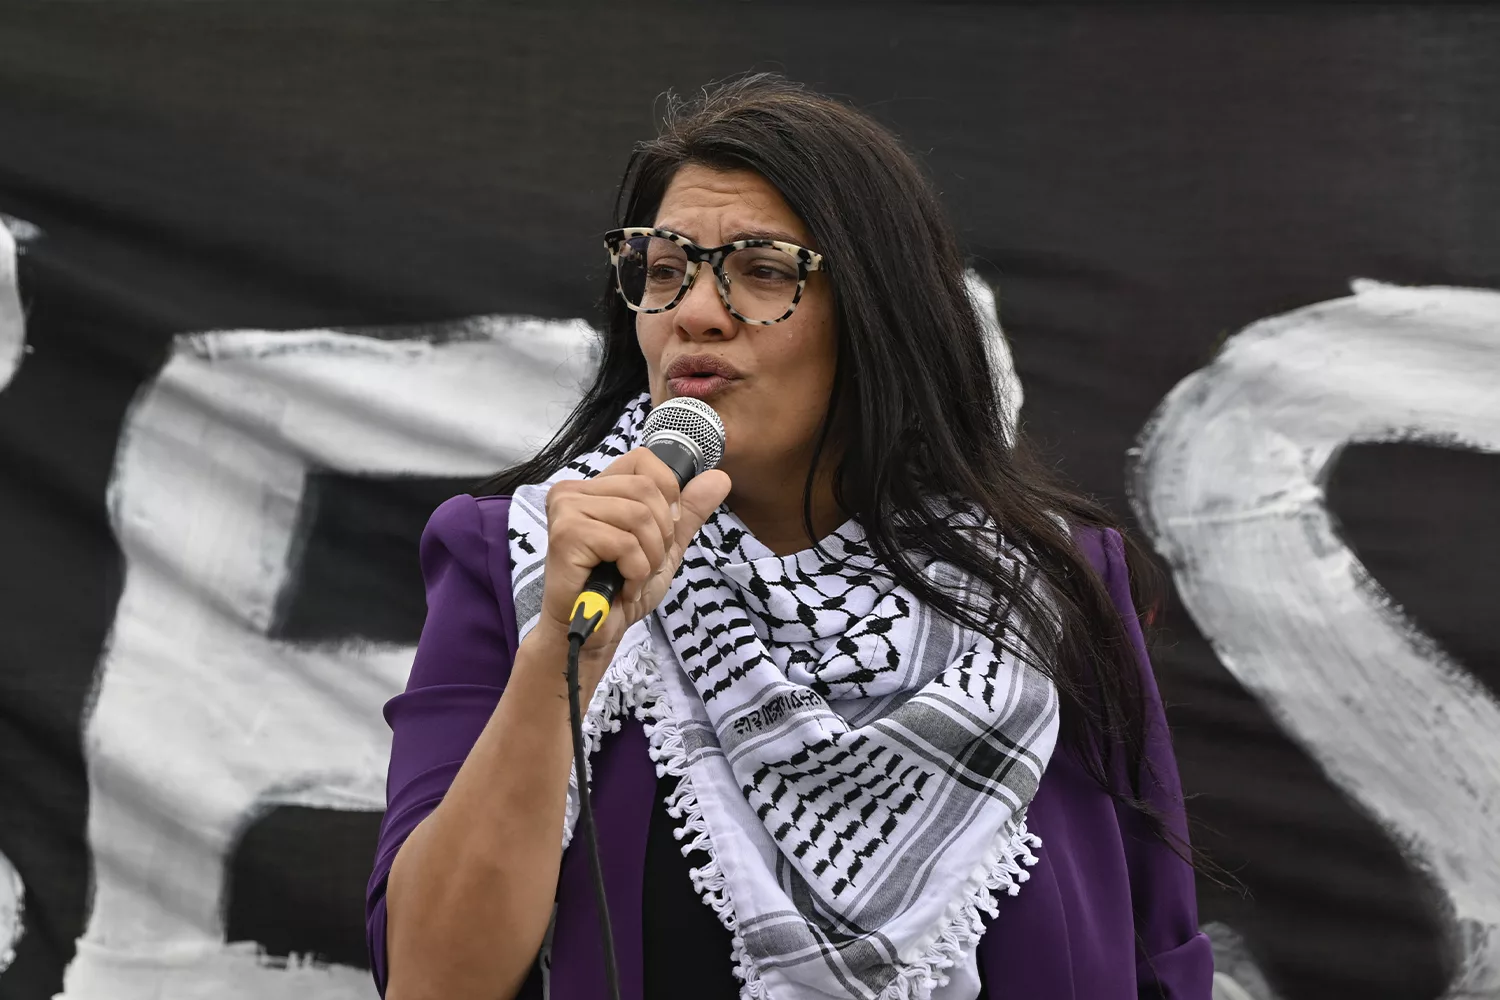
[{"x": 771, "y": 507}]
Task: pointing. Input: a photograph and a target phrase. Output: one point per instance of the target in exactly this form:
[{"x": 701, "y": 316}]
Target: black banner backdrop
[{"x": 276, "y": 265}]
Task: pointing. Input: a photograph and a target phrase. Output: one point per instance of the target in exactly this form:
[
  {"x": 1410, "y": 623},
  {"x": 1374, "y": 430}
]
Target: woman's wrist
[{"x": 545, "y": 648}]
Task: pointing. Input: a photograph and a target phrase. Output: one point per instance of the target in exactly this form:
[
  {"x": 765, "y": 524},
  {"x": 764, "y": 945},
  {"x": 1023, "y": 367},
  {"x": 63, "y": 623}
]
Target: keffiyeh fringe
[
  {"x": 632, "y": 684},
  {"x": 835, "y": 743}
]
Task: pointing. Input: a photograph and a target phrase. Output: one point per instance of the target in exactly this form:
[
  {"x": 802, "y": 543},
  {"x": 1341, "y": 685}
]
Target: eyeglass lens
[{"x": 762, "y": 281}]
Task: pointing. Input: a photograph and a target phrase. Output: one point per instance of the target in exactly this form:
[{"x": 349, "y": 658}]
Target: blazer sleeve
[
  {"x": 462, "y": 662},
  {"x": 1175, "y": 959}
]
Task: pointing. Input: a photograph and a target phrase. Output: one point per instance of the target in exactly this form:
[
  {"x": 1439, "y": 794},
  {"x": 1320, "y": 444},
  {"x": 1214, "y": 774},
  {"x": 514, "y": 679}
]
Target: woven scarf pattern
[{"x": 855, "y": 765}]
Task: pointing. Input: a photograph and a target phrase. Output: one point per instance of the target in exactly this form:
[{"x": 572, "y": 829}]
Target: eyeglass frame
[{"x": 808, "y": 261}]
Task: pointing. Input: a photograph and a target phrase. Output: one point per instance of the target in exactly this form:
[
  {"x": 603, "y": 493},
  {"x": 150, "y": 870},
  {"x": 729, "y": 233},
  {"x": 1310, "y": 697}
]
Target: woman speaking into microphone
[{"x": 870, "y": 716}]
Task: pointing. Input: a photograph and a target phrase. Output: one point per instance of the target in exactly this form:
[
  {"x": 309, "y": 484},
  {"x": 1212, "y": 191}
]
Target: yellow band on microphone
[{"x": 591, "y": 603}]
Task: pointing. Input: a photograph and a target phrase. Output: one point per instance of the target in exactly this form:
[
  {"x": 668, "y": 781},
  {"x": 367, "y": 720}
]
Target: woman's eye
[{"x": 770, "y": 272}]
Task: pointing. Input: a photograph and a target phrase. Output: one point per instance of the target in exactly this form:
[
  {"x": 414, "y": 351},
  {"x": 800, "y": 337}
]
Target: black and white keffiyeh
[{"x": 856, "y": 766}]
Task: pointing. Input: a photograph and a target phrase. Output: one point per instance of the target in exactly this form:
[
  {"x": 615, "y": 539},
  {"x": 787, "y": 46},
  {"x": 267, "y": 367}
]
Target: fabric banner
[{"x": 275, "y": 280}]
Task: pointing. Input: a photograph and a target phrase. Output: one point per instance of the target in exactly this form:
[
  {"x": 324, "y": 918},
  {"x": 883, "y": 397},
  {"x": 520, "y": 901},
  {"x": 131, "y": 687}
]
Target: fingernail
[{"x": 676, "y": 512}]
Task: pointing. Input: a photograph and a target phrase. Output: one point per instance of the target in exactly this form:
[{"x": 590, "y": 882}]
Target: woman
[{"x": 888, "y": 672}]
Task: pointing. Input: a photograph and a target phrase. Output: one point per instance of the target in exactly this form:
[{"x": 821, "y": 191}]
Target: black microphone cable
[
  {"x": 688, "y": 436},
  {"x": 584, "y": 622}
]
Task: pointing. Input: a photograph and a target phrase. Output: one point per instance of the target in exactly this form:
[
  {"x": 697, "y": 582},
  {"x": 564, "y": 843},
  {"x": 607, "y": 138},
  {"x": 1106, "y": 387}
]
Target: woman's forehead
[{"x": 711, "y": 206}]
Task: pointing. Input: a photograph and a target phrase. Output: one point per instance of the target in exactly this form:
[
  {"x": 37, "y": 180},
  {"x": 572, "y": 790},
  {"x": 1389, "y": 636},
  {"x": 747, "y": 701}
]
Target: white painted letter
[
  {"x": 201, "y": 720},
  {"x": 12, "y": 318},
  {"x": 12, "y": 898},
  {"x": 12, "y": 347},
  {"x": 1229, "y": 484}
]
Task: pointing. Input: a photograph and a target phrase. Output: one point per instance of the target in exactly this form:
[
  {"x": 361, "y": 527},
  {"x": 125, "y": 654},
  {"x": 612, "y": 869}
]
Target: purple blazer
[{"x": 1109, "y": 912}]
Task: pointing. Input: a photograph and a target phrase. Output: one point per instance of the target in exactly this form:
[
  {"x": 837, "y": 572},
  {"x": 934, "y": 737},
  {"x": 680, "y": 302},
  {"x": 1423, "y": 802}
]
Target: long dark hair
[{"x": 915, "y": 413}]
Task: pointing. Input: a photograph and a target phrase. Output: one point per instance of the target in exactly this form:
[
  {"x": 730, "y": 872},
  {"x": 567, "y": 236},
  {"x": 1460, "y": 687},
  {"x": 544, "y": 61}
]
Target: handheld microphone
[{"x": 688, "y": 436}]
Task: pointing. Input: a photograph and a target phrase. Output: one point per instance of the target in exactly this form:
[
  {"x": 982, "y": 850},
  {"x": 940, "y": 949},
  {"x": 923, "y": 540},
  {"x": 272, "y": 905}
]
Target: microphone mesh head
[{"x": 692, "y": 419}]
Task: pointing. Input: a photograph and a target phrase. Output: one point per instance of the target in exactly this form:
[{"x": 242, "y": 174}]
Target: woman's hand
[
  {"x": 633, "y": 515},
  {"x": 488, "y": 856}
]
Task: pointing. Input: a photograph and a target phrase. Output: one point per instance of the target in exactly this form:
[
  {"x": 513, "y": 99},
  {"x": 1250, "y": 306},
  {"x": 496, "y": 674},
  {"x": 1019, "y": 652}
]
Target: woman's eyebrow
[
  {"x": 679, "y": 230},
  {"x": 743, "y": 234},
  {"x": 764, "y": 234}
]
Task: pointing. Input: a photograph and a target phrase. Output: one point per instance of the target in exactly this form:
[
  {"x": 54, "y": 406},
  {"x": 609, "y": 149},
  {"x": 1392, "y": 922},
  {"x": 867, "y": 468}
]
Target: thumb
[{"x": 700, "y": 498}]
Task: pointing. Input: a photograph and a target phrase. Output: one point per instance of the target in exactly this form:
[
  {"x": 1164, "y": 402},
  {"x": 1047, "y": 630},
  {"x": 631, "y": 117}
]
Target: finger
[
  {"x": 630, "y": 486},
  {"x": 700, "y": 498},
  {"x": 627, "y": 514},
  {"x": 642, "y": 462},
  {"x": 591, "y": 541}
]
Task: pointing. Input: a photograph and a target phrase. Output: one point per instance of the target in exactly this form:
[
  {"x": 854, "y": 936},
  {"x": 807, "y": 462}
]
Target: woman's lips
[
  {"x": 700, "y": 386},
  {"x": 700, "y": 376}
]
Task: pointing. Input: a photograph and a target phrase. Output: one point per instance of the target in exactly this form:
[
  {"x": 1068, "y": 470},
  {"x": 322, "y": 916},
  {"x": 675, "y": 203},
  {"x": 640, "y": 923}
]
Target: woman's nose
[{"x": 701, "y": 313}]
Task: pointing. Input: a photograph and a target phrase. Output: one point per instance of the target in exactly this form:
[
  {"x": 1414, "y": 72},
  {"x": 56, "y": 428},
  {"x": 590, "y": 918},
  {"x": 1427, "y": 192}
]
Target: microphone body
[{"x": 688, "y": 436}]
